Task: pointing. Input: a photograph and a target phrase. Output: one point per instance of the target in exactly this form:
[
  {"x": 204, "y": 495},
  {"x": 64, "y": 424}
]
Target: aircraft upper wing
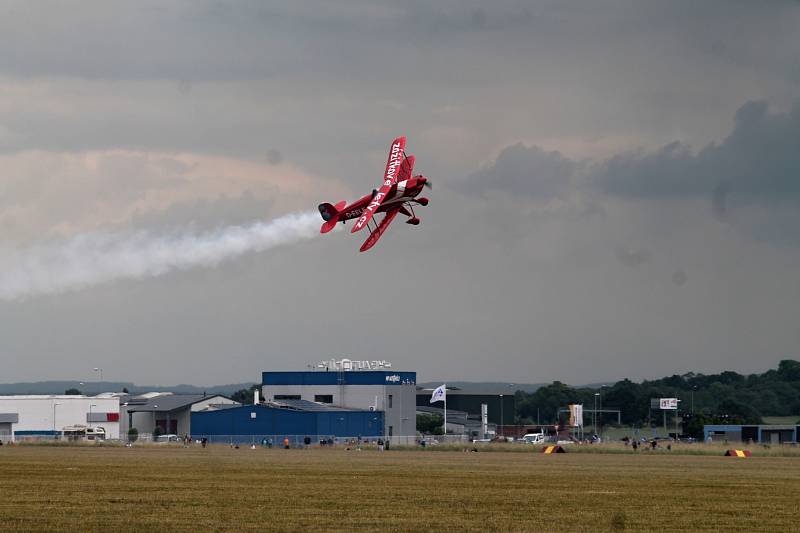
[
  {"x": 389, "y": 179},
  {"x": 375, "y": 235},
  {"x": 406, "y": 168}
]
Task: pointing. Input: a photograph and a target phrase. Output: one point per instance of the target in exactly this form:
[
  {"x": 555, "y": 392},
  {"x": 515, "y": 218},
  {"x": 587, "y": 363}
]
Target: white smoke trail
[{"x": 95, "y": 258}]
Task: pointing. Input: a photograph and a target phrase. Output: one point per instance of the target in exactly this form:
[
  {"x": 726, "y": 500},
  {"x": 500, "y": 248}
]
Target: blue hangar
[
  {"x": 295, "y": 419},
  {"x": 344, "y": 399}
]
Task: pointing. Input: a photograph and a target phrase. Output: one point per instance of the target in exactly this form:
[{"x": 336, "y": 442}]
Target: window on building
[
  {"x": 287, "y": 396},
  {"x": 323, "y": 398},
  {"x": 390, "y": 431},
  {"x": 390, "y": 401}
]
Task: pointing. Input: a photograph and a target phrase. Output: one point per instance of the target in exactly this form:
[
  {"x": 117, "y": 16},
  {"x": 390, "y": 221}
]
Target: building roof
[
  {"x": 738, "y": 427},
  {"x": 305, "y": 405},
  {"x": 55, "y": 397},
  {"x": 440, "y": 411},
  {"x": 167, "y": 402}
]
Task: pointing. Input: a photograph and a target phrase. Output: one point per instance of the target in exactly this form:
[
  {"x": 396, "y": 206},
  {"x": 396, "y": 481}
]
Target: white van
[
  {"x": 80, "y": 432},
  {"x": 534, "y": 438}
]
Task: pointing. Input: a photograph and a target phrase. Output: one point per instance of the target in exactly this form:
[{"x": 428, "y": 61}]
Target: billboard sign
[
  {"x": 668, "y": 403},
  {"x": 576, "y": 414}
]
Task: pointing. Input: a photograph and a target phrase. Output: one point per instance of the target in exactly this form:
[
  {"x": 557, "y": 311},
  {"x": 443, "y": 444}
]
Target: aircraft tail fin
[{"x": 330, "y": 214}]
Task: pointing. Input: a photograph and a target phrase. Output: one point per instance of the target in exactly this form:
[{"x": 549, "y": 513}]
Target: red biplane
[{"x": 398, "y": 194}]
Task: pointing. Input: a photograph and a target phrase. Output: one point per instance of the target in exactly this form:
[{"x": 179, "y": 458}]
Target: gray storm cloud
[{"x": 95, "y": 258}]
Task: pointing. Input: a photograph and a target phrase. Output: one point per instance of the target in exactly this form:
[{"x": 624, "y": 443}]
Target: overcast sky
[{"x": 617, "y": 185}]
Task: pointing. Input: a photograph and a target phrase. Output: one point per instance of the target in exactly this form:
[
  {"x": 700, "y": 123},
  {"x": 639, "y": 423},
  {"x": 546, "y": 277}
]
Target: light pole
[
  {"x": 155, "y": 406},
  {"x": 693, "y": 389},
  {"x": 594, "y": 422},
  {"x": 600, "y": 418},
  {"x": 100, "y": 370},
  {"x": 501, "y": 416},
  {"x": 90, "y": 413}
]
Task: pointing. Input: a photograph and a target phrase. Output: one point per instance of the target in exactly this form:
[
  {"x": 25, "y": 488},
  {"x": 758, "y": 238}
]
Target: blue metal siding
[
  {"x": 273, "y": 421},
  {"x": 708, "y": 429},
  {"x": 356, "y": 377}
]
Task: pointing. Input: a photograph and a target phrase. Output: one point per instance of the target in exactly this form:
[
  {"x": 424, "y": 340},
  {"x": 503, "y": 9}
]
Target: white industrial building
[{"x": 45, "y": 416}]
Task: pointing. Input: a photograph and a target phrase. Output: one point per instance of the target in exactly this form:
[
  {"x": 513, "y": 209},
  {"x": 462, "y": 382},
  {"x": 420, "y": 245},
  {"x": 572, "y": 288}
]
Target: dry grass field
[{"x": 44, "y": 488}]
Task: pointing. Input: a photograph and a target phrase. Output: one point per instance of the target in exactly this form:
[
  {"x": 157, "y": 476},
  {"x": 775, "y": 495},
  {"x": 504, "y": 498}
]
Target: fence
[
  {"x": 295, "y": 441},
  {"x": 304, "y": 441}
]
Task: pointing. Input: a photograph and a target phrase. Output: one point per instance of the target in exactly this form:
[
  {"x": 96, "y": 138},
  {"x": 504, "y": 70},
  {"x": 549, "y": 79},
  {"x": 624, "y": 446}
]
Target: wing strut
[
  {"x": 376, "y": 234},
  {"x": 389, "y": 178}
]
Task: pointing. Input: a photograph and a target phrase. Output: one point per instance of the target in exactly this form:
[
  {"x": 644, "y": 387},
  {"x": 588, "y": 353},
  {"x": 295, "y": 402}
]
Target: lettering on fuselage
[{"x": 354, "y": 213}]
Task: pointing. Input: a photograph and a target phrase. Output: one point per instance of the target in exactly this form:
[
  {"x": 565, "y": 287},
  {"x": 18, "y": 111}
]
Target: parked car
[
  {"x": 534, "y": 438},
  {"x": 168, "y": 438}
]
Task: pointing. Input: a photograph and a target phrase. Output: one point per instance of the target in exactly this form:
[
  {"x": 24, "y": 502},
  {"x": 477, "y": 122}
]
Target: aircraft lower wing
[
  {"x": 375, "y": 235},
  {"x": 389, "y": 178}
]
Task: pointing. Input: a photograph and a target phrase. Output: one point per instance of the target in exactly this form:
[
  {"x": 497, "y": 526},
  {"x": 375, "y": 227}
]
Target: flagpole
[{"x": 445, "y": 413}]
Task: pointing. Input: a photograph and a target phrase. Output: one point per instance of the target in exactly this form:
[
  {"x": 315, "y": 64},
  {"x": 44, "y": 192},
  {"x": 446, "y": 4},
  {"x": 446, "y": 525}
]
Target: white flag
[{"x": 438, "y": 394}]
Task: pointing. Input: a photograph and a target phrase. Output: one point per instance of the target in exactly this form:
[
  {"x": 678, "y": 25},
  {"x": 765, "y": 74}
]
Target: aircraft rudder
[{"x": 330, "y": 214}]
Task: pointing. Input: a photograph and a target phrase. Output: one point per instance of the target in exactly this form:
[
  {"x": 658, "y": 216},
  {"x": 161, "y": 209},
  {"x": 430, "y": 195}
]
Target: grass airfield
[{"x": 165, "y": 488}]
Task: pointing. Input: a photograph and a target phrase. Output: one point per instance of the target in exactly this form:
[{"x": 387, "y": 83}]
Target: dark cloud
[
  {"x": 526, "y": 171},
  {"x": 329, "y": 85},
  {"x": 758, "y": 163}
]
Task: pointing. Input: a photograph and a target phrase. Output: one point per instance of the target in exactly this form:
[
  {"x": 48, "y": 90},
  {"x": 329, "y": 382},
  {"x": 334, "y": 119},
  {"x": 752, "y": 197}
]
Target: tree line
[{"x": 727, "y": 397}]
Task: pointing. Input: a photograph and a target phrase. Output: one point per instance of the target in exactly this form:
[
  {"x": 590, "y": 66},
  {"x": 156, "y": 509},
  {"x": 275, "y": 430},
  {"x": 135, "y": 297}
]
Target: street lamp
[
  {"x": 155, "y": 406},
  {"x": 694, "y": 387},
  {"x": 100, "y": 370},
  {"x": 501, "y": 416},
  {"x": 600, "y": 418},
  {"x": 594, "y": 422},
  {"x": 90, "y": 413}
]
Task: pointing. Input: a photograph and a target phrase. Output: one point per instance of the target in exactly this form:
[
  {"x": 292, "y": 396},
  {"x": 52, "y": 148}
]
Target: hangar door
[{"x": 6, "y": 419}]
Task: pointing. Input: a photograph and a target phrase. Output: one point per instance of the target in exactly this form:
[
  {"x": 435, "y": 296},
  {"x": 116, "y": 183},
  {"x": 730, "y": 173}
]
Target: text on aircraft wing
[{"x": 389, "y": 179}]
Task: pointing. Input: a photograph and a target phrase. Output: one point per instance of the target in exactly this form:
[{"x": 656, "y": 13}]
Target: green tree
[
  {"x": 245, "y": 396},
  {"x": 133, "y": 435},
  {"x": 73, "y": 392},
  {"x": 789, "y": 370},
  {"x": 429, "y": 424},
  {"x": 733, "y": 409}
]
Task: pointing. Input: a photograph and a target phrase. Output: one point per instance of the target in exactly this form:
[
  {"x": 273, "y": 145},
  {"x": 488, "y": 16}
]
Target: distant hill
[
  {"x": 96, "y": 387},
  {"x": 482, "y": 386}
]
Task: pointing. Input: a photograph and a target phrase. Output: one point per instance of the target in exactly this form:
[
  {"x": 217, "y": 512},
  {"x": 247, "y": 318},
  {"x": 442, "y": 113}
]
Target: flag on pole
[{"x": 439, "y": 394}]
